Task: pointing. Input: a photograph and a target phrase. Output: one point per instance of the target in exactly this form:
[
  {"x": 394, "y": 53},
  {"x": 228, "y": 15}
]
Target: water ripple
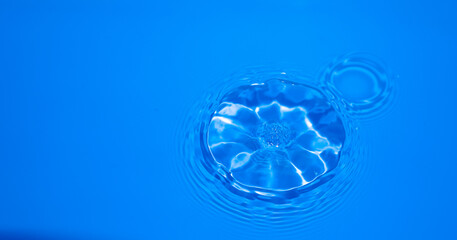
[
  {"x": 362, "y": 83},
  {"x": 289, "y": 215},
  {"x": 274, "y": 138}
]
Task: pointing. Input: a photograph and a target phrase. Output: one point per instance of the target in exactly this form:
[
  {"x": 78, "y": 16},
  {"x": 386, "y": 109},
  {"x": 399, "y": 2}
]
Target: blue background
[{"x": 91, "y": 92}]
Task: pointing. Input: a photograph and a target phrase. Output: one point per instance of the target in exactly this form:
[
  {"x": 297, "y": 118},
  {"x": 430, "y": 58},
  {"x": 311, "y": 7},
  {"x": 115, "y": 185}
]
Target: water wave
[
  {"x": 289, "y": 215},
  {"x": 362, "y": 84}
]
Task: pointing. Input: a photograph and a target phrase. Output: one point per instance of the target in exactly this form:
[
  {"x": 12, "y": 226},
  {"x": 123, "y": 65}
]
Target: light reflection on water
[
  {"x": 274, "y": 137},
  {"x": 253, "y": 206}
]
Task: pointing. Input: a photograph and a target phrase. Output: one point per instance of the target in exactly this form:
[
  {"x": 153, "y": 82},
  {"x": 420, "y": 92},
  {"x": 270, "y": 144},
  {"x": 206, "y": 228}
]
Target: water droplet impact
[
  {"x": 361, "y": 82},
  {"x": 275, "y": 136},
  {"x": 356, "y": 84},
  {"x": 267, "y": 149}
]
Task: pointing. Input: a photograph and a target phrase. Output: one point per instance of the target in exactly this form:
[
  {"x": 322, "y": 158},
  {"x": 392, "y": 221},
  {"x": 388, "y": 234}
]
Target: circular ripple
[
  {"x": 275, "y": 136},
  {"x": 256, "y": 211},
  {"x": 361, "y": 83}
]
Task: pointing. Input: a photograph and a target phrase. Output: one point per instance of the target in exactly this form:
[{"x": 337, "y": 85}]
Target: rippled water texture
[
  {"x": 274, "y": 149},
  {"x": 361, "y": 83},
  {"x": 275, "y": 136}
]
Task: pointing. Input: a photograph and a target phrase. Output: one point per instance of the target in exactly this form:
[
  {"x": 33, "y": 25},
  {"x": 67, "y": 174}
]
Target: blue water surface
[
  {"x": 275, "y": 135},
  {"x": 106, "y": 111}
]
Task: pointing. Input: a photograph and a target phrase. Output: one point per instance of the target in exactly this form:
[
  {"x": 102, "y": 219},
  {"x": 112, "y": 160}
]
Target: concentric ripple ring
[
  {"x": 275, "y": 136},
  {"x": 284, "y": 208},
  {"x": 362, "y": 83}
]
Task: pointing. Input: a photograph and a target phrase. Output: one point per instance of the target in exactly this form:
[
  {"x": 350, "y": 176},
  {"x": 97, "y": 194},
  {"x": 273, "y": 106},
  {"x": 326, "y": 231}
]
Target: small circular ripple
[
  {"x": 362, "y": 83},
  {"x": 256, "y": 211}
]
